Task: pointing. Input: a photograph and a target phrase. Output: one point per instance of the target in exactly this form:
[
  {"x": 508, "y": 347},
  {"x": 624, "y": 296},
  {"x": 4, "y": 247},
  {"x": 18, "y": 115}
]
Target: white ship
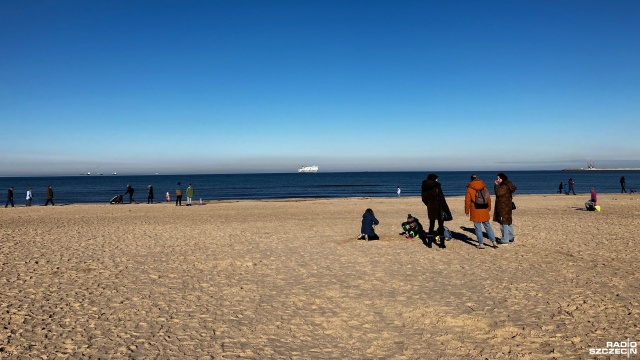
[{"x": 305, "y": 169}]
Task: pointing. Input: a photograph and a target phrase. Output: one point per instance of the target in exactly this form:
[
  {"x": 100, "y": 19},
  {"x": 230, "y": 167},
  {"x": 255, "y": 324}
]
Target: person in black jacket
[
  {"x": 150, "y": 196},
  {"x": 9, "y": 197},
  {"x": 130, "y": 192},
  {"x": 437, "y": 208}
]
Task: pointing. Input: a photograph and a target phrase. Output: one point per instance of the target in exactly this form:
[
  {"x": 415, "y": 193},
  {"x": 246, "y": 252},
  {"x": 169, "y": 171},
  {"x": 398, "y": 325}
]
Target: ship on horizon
[
  {"x": 591, "y": 167},
  {"x": 306, "y": 169}
]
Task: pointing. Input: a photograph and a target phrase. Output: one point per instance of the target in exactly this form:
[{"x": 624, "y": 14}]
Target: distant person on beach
[
  {"x": 503, "y": 212},
  {"x": 479, "y": 212},
  {"x": 566, "y": 189},
  {"x": 571, "y": 186},
  {"x": 179, "y": 194},
  {"x": 437, "y": 208},
  {"x": 623, "y": 183},
  {"x": 189, "y": 194},
  {"x": 9, "y": 197},
  {"x": 167, "y": 196},
  {"x": 29, "y": 197},
  {"x": 49, "y": 196},
  {"x": 150, "y": 195},
  {"x": 560, "y": 188},
  {"x": 369, "y": 221},
  {"x": 398, "y": 191},
  {"x": 130, "y": 191}
]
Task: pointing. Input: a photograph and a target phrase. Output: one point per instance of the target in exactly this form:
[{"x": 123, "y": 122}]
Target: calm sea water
[{"x": 100, "y": 189}]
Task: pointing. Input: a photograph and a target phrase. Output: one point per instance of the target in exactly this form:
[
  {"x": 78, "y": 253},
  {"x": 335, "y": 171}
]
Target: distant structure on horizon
[
  {"x": 591, "y": 167},
  {"x": 307, "y": 169}
]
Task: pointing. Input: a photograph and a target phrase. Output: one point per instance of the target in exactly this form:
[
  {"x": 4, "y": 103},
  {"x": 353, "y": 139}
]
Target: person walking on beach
[
  {"x": 367, "y": 231},
  {"x": 479, "y": 211},
  {"x": 560, "y": 187},
  {"x": 503, "y": 212},
  {"x": 571, "y": 186},
  {"x": 623, "y": 183},
  {"x": 150, "y": 195},
  {"x": 29, "y": 197},
  {"x": 130, "y": 191},
  {"x": 189, "y": 194},
  {"x": 167, "y": 196},
  {"x": 179, "y": 194},
  {"x": 398, "y": 191},
  {"x": 437, "y": 208},
  {"x": 49, "y": 196},
  {"x": 9, "y": 197}
]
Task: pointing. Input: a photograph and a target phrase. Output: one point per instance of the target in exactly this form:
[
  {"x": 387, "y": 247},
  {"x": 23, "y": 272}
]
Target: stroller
[{"x": 116, "y": 199}]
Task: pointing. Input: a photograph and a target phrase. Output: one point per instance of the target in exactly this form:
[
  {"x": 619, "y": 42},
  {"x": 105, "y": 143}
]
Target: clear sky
[{"x": 243, "y": 86}]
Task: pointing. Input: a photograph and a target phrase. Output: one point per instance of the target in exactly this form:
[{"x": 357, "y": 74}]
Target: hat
[{"x": 474, "y": 177}]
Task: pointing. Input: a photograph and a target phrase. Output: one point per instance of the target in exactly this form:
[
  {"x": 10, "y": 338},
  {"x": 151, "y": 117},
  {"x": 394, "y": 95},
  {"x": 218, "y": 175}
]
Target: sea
[{"x": 102, "y": 188}]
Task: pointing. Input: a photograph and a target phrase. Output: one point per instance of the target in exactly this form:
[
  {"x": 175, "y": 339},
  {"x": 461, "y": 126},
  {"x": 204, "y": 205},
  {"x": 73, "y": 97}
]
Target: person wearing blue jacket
[{"x": 368, "y": 222}]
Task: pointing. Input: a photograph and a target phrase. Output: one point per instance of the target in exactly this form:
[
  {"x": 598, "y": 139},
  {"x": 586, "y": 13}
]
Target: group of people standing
[
  {"x": 129, "y": 191},
  {"x": 29, "y": 198},
  {"x": 150, "y": 195},
  {"x": 438, "y": 212}
]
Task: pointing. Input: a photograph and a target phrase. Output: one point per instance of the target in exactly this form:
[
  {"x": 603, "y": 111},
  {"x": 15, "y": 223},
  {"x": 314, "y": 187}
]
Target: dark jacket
[
  {"x": 433, "y": 198},
  {"x": 504, "y": 198},
  {"x": 49, "y": 193},
  {"x": 368, "y": 220}
]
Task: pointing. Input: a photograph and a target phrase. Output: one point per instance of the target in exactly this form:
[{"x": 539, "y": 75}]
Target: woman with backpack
[
  {"x": 503, "y": 212},
  {"x": 477, "y": 204}
]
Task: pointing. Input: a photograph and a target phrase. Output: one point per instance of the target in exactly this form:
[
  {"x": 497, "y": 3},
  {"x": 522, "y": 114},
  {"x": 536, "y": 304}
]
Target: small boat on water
[{"x": 306, "y": 169}]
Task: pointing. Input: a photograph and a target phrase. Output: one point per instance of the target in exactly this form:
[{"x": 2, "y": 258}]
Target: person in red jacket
[{"x": 479, "y": 213}]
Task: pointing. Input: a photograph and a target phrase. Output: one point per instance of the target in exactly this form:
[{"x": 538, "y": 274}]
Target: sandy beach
[{"x": 288, "y": 279}]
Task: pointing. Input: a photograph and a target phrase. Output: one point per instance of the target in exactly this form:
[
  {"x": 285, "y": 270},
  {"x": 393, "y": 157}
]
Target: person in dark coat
[
  {"x": 437, "y": 208},
  {"x": 623, "y": 183},
  {"x": 49, "y": 196},
  {"x": 571, "y": 186},
  {"x": 503, "y": 213},
  {"x": 130, "y": 192},
  {"x": 150, "y": 196},
  {"x": 9, "y": 197},
  {"x": 368, "y": 222}
]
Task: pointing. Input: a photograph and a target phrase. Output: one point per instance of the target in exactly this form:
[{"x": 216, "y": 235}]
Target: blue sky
[{"x": 241, "y": 86}]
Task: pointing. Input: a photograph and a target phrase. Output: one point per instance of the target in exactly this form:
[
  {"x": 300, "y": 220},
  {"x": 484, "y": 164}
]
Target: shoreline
[{"x": 295, "y": 199}]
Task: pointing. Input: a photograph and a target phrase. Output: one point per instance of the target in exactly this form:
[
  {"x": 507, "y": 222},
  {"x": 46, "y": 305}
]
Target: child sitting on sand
[
  {"x": 368, "y": 222},
  {"x": 412, "y": 228}
]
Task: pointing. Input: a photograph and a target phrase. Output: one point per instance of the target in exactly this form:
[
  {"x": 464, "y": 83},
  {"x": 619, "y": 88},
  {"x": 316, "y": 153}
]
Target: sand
[{"x": 288, "y": 279}]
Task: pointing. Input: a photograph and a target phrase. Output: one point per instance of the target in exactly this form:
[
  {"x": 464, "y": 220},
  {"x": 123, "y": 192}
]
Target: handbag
[
  {"x": 513, "y": 205},
  {"x": 445, "y": 215}
]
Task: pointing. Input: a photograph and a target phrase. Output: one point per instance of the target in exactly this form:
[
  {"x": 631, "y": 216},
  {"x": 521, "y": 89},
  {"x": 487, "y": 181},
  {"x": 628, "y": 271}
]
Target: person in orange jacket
[{"x": 478, "y": 210}]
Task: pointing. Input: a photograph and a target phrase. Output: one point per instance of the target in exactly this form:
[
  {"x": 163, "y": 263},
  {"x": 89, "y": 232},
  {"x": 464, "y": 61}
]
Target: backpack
[{"x": 482, "y": 199}]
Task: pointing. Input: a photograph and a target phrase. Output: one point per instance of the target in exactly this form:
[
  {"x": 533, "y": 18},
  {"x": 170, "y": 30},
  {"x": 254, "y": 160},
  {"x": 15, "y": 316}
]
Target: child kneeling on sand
[
  {"x": 412, "y": 228},
  {"x": 369, "y": 221}
]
